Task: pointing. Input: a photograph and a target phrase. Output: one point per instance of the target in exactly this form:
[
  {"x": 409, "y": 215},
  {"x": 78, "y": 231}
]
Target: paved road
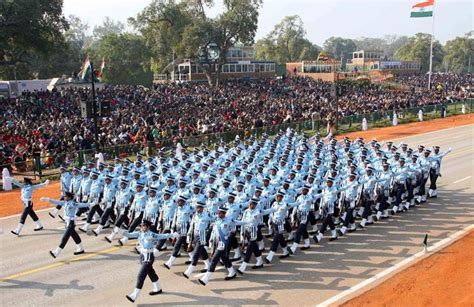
[{"x": 106, "y": 273}]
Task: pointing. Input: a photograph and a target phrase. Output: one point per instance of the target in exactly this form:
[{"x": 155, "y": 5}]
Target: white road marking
[
  {"x": 462, "y": 179},
  {"x": 435, "y": 247}
]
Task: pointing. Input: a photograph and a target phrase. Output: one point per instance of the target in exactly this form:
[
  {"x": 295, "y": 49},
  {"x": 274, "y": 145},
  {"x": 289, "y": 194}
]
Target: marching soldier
[
  {"x": 303, "y": 204},
  {"x": 328, "y": 199},
  {"x": 435, "y": 170},
  {"x": 65, "y": 181},
  {"x": 219, "y": 241},
  {"x": 27, "y": 188},
  {"x": 197, "y": 234},
  {"x": 147, "y": 240},
  {"x": 70, "y": 211},
  {"x": 180, "y": 225}
]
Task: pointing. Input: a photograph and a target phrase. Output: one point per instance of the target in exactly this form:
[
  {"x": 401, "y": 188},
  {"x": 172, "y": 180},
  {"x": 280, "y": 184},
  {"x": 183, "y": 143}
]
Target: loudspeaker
[
  {"x": 104, "y": 108},
  {"x": 86, "y": 109}
]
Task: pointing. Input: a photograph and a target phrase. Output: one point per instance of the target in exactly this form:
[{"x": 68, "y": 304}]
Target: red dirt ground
[{"x": 446, "y": 278}]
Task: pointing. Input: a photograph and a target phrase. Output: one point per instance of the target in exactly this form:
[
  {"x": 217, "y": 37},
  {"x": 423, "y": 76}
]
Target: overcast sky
[{"x": 322, "y": 18}]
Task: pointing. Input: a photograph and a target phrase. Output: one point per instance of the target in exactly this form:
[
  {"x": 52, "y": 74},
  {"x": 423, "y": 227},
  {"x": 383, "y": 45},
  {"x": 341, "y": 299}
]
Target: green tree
[
  {"x": 339, "y": 47},
  {"x": 65, "y": 59},
  {"x": 417, "y": 48},
  {"x": 287, "y": 43},
  {"x": 183, "y": 28},
  {"x": 127, "y": 58},
  {"x": 28, "y": 27},
  {"x": 458, "y": 53},
  {"x": 109, "y": 26}
]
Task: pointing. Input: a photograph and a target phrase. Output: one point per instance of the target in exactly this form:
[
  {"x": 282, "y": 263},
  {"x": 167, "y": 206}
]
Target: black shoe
[
  {"x": 95, "y": 233},
  {"x": 230, "y": 277},
  {"x": 203, "y": 271},
  {"x": 38, "y": 229},
  {"x": 187, "y": 277},
  {"x": 78, "y": 253},
  {"x": 238, "y": 271},
  {"x": 108, "y": 240},
  {"x": 352, "y": 230},
  {"x": 156, "y": 293},
  {"x": 120, "y": 242},
  {"x": 15, "y": 233},
  {"x": 201, "y": 282},
  {"x": 166, "y": 266},
  {"x": 51, "y": 215},
  {"x": 333, "y": 239},
  {"x": 187, "y": 262},
  {"x": 284, "y": 256},
  {"x": 255, "y": 267},
  {"x": 62, "y": 219},
  {"x": 52, "y": 254},
  {"x": 360, "y": 225},
  {"x": 305, "y": 248},
  {"x": 106, "y": 226},
  {"x": 315, "y": 238},
  {"x": 267, "y": 261},
  {"x": 384, "y": 217},
  {"x": 80, "y": 228},
  {"x": 163, "y": 248},
  {"x": 129, "y": 298},
  {"x": 235, "y": 259}
]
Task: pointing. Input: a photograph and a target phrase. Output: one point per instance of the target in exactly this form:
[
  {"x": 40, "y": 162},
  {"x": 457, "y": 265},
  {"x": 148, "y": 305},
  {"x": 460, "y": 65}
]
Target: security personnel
[{"x": 123, "y": 198}]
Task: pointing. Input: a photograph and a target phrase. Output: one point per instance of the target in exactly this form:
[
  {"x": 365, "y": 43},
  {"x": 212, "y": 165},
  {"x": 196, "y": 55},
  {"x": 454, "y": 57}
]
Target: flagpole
[{"x": 431, "y": 47}]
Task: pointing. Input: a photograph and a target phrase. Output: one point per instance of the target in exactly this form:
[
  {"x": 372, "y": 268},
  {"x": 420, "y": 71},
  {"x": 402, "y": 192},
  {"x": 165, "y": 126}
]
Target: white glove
[
  {"x": 47, "y": 182},
  {"x": 450, "y": 149}
]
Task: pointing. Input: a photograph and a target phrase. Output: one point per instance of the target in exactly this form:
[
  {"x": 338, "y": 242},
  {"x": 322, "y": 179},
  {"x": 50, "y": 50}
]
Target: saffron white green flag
[{"x": 422, "y": 9}]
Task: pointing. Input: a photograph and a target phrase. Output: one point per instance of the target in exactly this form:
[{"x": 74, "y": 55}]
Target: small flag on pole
[
  {"x": 86, "y": 68},
  {"x": 100, "y": 73}
]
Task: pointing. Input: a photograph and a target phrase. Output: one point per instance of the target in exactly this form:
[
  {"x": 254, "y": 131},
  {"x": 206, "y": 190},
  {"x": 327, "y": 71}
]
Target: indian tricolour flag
[
  {"x": 100, "y": 74},
  {"x": 422, "y": 9},
  {"x": 86, "y": 68}
]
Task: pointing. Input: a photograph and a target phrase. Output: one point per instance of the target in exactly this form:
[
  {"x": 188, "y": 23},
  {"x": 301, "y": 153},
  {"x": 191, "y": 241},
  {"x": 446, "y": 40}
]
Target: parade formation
[{"x": 234, "y": 202}]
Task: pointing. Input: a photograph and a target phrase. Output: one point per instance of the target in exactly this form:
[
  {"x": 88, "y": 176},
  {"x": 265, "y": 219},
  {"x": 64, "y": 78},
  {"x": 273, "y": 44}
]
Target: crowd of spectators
[{"x": 50, "y": 123}]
